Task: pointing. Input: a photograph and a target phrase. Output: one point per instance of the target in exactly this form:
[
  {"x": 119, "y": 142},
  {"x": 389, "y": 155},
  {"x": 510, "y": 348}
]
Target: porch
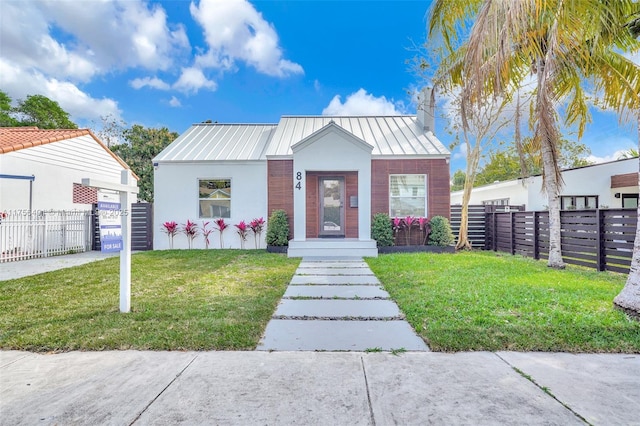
[{"x": 332, "y": 247}]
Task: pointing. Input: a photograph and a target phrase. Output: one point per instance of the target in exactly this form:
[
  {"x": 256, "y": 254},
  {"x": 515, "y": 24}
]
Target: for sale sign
[{"x": 110, "y": 220}]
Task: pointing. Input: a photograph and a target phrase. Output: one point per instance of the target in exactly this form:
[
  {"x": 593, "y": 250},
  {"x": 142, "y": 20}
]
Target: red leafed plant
[
  {"x": 221, "y": 226},
  {"x": 243, "y": 230},
  {"x": 171, "y": 229},
  {"x": 190, "y": 229},
  {"x": 423, "y": 222},
  {"x": 257, "y": 225},
  {"x": 205, "y": 233},
  {"x": 408, "y": 224}
]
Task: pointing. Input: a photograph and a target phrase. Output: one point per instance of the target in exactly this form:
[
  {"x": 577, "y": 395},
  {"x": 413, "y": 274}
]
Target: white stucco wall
[
  {"x": 56, "y": 166},
  {"x": 515, "y": 190},
  {"x": 592, "y": 180},
  {"x": 176, "y": 199},
  {"x": 333, "y": 150}
]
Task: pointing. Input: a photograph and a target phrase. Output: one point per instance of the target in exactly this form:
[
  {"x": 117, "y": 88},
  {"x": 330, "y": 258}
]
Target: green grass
[
  {"x": 474, "y": 301},
  {"x": 180, "y": 299}
]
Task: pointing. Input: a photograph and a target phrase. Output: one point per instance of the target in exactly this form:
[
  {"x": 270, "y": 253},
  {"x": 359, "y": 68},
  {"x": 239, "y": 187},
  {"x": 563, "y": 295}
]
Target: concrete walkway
[
  {"x": 318, "y": 388},
  {"x": 338, "y": 305},
  {"x": 25, "y": 268}
]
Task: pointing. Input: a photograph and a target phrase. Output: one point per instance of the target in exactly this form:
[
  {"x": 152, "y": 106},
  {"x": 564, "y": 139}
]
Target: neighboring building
[
  {"x": 330, "y": 174},
  {"x": 605, "y": 185},
  {"x": 43, "y": 169}
]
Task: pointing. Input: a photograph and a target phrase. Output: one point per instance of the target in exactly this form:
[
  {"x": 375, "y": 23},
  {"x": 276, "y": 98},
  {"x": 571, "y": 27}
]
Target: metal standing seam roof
[
  {"x": 219, "y": 142},
  {"x": 388, "y": 135}
]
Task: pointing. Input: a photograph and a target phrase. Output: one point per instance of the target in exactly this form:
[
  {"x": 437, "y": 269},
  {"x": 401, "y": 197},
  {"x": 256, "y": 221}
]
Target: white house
[
  {"x": 43, "y": 169},
  {"x": 329, "y": 174},
  {"x": 605, "y": 185}
]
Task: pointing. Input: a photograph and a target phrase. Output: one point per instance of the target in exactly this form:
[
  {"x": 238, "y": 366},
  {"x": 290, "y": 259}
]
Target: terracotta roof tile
[{"x": 17, "y": 138}]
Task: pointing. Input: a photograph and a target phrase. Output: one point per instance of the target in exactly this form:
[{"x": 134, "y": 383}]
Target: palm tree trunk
[
  {"x": 551, "y": 186},
  {"x": 546, "y": 131},
  {"x": 629, "y": 297}
]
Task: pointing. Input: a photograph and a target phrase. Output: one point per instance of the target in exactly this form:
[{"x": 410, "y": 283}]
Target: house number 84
[{"x": 299, "y": 179}]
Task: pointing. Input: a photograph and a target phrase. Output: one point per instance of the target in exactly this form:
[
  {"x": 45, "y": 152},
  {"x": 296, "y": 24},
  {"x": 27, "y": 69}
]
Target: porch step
[{"x": 333, "y": 248}]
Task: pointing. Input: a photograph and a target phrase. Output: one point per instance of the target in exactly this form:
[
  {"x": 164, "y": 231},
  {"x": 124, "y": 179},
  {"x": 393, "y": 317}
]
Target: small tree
[
  {"x": 440, "y": 234},
  {"x": 242, "y": 230},
  {"x": 190, "y": 229},
  {"x": 206, "y": 231},
  {"x": 257, "y": 225},
  {"x": 278, "y": 229},
  {"x": 382, "y": 230},
  {"x": 171, "y": 229},
  {"x": 221, "y": 226}
]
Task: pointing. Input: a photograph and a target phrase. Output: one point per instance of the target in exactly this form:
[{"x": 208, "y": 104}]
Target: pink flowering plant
[
  {"x": 190, "y": 229},
  {"x": 206, "y": 231},
  {"x": 243, "y": 231},
  {"x": 396, "y": 224},
  {"x": 171, "y": 229},
  {"x": 257, "y": 225},
  {"x": 221, "y": 226}
]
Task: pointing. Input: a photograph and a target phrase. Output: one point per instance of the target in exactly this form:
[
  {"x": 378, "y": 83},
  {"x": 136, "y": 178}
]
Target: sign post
[{"x": 127, "y": 187}]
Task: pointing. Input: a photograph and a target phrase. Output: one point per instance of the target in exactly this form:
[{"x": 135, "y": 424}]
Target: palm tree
[
  {"x": 493, "y": 47},
  {"x": 629, "y": 297}
]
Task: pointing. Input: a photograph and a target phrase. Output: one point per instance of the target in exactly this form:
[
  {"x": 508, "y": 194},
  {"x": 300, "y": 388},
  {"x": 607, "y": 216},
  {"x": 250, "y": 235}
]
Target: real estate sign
[{"x": 109, "y": 218}]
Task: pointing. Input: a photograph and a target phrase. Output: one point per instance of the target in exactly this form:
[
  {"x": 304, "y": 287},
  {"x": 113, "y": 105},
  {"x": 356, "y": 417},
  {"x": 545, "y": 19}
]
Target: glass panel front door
[{"x": 331, "y": 206}]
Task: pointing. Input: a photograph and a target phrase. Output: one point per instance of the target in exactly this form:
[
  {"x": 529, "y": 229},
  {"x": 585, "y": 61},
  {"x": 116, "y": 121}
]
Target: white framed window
[
  {"x": 214, "y": 198},
  {"x": 408, "y": 195}
]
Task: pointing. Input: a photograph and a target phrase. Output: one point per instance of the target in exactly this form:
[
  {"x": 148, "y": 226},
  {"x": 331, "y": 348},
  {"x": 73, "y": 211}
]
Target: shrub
[
  {"x": 278, "y": 229},
  {"x": 440, "y": 234},
  {"x": 381, "y": 230}
]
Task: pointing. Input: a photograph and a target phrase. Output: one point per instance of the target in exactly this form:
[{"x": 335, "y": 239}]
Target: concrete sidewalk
[
  {"x": 25, "y": 268},
  {"x": 318, "y": 388}
]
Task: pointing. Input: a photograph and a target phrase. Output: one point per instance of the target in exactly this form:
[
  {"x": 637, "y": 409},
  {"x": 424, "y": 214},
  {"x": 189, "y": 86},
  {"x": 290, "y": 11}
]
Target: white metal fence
[{"x": 29, "y": 235}]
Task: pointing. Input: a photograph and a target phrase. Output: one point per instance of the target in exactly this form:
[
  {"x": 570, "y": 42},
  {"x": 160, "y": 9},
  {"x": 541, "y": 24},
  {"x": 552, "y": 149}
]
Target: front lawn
[
  {"x": 473, "y": 301},
  {"x": 180, "y": 299}
]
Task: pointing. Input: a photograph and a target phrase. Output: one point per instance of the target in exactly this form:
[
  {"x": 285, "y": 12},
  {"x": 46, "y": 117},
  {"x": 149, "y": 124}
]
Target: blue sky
[{"x": 173, "y": 63}]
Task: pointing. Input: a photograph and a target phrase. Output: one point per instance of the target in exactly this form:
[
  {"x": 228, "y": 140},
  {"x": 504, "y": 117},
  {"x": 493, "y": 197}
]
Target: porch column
[
  {"x": 364, "y": 202},
  {"x": 299, "y": 201}
]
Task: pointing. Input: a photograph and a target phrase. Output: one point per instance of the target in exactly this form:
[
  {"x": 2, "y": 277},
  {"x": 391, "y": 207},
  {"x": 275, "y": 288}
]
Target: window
[
  {"x": 214, "y": 197},
  {"x": 578, "y": 202},
  {"x": 408, "y": 195},
  {"x": 629, "y": 201},
  {"x": 496, "y": 202}
]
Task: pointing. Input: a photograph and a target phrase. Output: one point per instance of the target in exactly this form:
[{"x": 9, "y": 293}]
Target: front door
[{"x": 331, "y": 204}]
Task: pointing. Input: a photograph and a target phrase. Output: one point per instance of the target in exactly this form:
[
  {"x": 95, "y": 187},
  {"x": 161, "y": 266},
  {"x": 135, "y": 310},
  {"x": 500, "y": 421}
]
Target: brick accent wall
[
  {"x": 280, "y": 188},
  {"x": 437, "y": 171},
  {"x": 313, "y": 209},
  {"x": 84, "y": 194}
]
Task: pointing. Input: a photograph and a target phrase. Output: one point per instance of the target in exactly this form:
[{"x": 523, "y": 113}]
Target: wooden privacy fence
[
  {"x": 141, "y": 227},
  {"x": 476, "y": 224},
  {"x": 601, "y": 239},
  {"x": 29, "y": 235}
]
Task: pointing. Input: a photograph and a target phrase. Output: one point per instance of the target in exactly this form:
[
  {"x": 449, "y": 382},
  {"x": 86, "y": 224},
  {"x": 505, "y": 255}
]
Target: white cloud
[
  {"x": 235, "y": 31},
  {"x": 175, "y": 102},
  {"x": 193, "y": 79},
  {"x": 19, "y": 83},
  {"x": 461, "y": 152},
  {"x": 361, "y": 103},
  {"x": 154, "y": 82}
]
